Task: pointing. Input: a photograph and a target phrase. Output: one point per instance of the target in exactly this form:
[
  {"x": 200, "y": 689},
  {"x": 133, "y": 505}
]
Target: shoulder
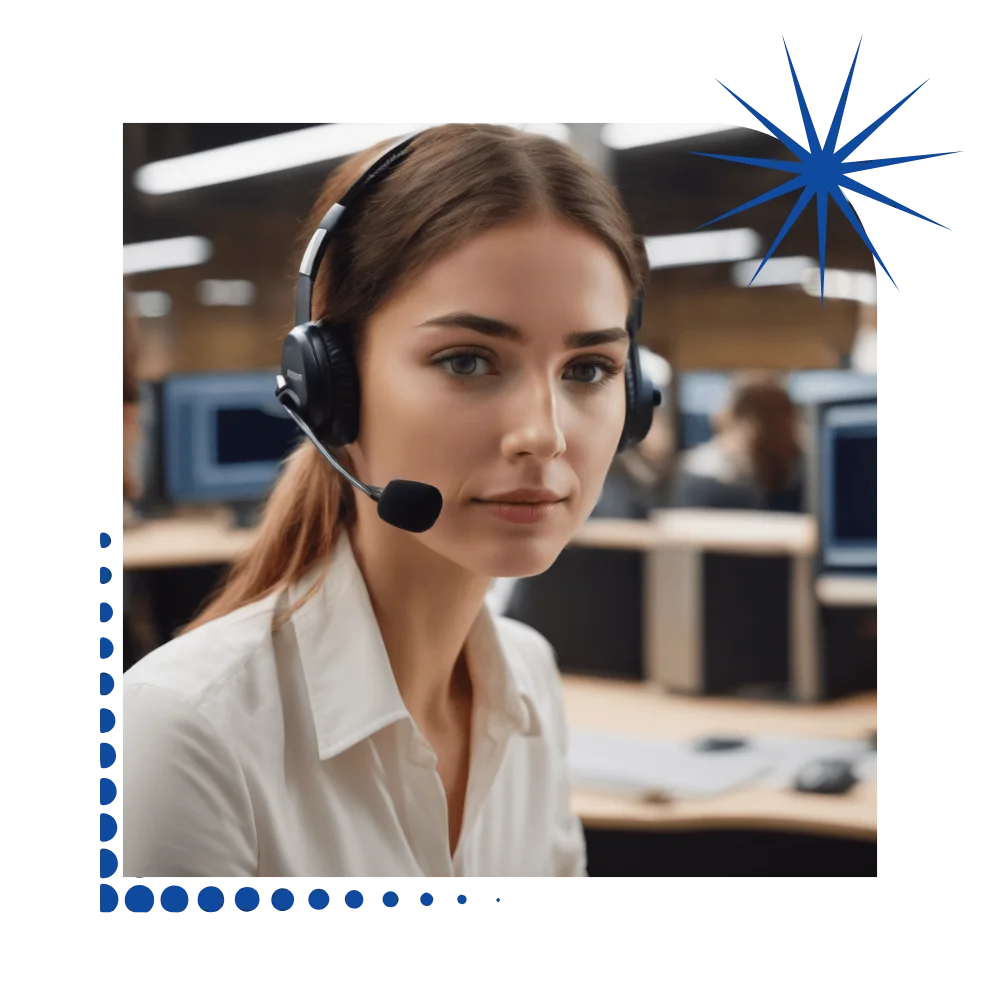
[
  {"x": 535, "y": 652},
  {"x": 195, "y": 667}
]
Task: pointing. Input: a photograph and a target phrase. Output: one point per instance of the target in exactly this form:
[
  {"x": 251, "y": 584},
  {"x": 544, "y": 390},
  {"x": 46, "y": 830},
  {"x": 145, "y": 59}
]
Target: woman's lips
[{"x": 519, "y": 513}]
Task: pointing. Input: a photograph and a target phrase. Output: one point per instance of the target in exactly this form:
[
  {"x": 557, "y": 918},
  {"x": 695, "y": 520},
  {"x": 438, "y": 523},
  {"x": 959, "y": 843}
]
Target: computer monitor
[
  {"x": 847, "y": 481},
  {"x": 700, "y": 396},
  {"x": 223, "y": 435},
  {"x": 817, "y": 385}
]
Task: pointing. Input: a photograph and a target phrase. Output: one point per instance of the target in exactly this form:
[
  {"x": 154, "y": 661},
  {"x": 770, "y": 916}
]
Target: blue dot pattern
[
  {"x": 318, "y": 899},
  {"x": 246, "y": 899},
  {"x": 105, "y": 649},
  {"x": 283, "y": 900},
  {"x": 174, "y": 899},
  {"x": 140, "y": 899}
]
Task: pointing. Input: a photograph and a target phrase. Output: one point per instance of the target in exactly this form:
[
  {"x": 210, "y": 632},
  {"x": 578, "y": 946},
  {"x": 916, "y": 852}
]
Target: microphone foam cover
[{"x": 408, "y": 505}]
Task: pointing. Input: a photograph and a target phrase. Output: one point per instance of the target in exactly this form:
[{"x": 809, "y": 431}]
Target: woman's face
[{"x": 477, "y": 378}]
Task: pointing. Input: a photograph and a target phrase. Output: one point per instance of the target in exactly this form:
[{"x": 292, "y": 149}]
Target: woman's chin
[{"x": 515, "y": 558}]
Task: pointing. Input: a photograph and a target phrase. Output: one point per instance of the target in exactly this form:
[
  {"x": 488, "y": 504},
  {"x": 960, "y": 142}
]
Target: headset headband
[{"x": 313, "y": 256}]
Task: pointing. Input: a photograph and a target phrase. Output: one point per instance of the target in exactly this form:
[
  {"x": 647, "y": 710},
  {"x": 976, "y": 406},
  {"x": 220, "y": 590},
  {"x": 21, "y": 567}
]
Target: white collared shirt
[{"x": 289, "y": 752}]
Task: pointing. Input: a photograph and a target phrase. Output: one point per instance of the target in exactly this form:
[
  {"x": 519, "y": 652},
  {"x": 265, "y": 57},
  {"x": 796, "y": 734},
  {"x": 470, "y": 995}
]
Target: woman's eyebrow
[{"x": 498, "y": 328}]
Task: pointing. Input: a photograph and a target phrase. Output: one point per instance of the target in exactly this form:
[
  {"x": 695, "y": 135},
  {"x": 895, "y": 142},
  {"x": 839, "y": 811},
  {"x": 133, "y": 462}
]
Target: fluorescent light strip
[
  {"x": 777, "y": 271},
  {"x": 708, "y": 247},
  {"x": 859, "y": 286},
  {"x": 620, "y": 135},
  {"x": 164, "y": 255},
  {"x": 151, "y": 305},
  {"x": 278, "y": 152},
  {"x": 219, "y": 292},
  {"x": 262, "y": 156}
]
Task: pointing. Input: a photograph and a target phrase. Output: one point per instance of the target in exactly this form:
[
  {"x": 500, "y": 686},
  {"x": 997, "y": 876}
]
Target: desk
[
  {"x": 675, "y": 542},
  {"x": 672, "y": 540},
  {"x": 644, "y": 710},
  {"x": 847, "y": 591},
  {"x": 187, "y": 539}
]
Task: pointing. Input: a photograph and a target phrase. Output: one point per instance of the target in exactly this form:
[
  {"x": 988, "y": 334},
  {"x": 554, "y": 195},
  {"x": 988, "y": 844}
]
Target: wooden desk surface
[
  {"x": 847, "y": 591},
  {"x": 189, "y": 539},
  {"x": 204, "y": 537},
  {"x": 736, "y": 531},
  {"x": 643, "y": 710}
]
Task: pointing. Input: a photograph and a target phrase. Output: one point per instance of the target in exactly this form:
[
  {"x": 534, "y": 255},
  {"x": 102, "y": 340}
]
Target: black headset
[{"x": 319, "y": 386}]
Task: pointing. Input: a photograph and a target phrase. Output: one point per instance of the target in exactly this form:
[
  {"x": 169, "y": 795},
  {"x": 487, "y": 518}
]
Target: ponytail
[{"x": 308, "y": 508}]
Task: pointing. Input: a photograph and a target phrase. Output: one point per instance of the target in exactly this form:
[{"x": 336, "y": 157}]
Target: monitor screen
[
  {"x": 849, "y": 490},
  {"x": 827, "y": 384},
  {"x": 224, "y": 435},
  {"x": 701, "y": 395}
]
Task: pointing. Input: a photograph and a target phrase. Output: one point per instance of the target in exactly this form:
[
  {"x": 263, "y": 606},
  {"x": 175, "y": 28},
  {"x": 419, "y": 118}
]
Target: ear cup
[
  {"x": 317, "y": 362},
  {"x": 625, "y": 441},
  {"x": 342, "y": 388},
  {"x": 641, "y": 396}
]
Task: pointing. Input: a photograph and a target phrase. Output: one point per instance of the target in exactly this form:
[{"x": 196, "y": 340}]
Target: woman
[
  {"x": 754, "y": 460},
  {"x": 348, "y": 704}
]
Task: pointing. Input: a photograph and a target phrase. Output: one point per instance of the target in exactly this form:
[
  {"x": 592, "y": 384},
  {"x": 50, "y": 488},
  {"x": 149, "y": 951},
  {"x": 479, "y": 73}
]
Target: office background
[{"x": 722, "y": 703}]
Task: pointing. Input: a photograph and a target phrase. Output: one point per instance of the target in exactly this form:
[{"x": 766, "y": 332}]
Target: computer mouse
[
  {"x": 713, "y": 744},
  {"x": 826, "y": 777}
]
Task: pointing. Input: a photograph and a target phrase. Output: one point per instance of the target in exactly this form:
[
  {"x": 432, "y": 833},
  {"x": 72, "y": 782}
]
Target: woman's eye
[
  {"x": 590, "y": 372},
  {"x": 463, "y": 364}
]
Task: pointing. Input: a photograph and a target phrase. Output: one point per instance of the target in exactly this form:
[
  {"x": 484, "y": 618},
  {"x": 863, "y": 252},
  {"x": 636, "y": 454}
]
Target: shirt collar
[{"x": 352, "y": 689}]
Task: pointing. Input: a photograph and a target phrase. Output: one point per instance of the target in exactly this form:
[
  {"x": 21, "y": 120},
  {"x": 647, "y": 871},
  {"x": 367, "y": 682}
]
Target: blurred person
[
  {"x": 348, "y": 703},
  {"x": 754, "y": 459},
  {"x": 638, "y": 477}
]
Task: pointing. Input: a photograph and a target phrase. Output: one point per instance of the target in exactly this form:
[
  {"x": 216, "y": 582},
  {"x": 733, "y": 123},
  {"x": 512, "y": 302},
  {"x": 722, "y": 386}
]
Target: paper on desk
[
  {"x": 611, "y": 762},
  {"x": 675, "y": 769},
  {"x": 789, "y": 754}
]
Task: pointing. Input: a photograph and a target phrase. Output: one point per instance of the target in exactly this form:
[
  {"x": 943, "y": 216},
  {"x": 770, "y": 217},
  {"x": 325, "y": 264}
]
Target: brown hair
[
  {"x": 456, "y": 182},
  {"x": 760, "y": 400}
]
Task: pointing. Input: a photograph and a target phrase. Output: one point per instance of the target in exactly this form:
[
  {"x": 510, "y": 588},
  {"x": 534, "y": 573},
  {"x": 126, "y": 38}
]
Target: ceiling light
[
  {"x": 151, "y": 305},
  {"x": 285, "y": 151},
  {"x": 263, "y": 156},
  {"x": 777, "y": 271},
  {"x": 620, "y": 135},
  {"x": 859, "y": 286},
  {"x": 163, "y": 255},
  {"x": 702, "y": 248},
  {"x": 216, "y": 292}
]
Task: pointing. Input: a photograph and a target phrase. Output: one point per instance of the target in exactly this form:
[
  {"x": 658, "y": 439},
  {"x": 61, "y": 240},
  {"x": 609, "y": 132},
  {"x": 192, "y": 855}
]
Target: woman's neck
[{"x": 425, "y": 606}]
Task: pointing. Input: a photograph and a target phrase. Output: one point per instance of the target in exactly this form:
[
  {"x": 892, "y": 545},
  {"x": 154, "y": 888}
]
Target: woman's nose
[{"x": 534, "y": 422}]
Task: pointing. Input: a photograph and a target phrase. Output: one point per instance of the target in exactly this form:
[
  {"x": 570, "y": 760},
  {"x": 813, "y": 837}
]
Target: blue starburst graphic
[{"x": 821, "y": 172}]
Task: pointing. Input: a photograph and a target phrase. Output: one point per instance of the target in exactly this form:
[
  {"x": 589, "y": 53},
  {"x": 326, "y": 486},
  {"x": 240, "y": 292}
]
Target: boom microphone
[{"x": 403, "y": 503}]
